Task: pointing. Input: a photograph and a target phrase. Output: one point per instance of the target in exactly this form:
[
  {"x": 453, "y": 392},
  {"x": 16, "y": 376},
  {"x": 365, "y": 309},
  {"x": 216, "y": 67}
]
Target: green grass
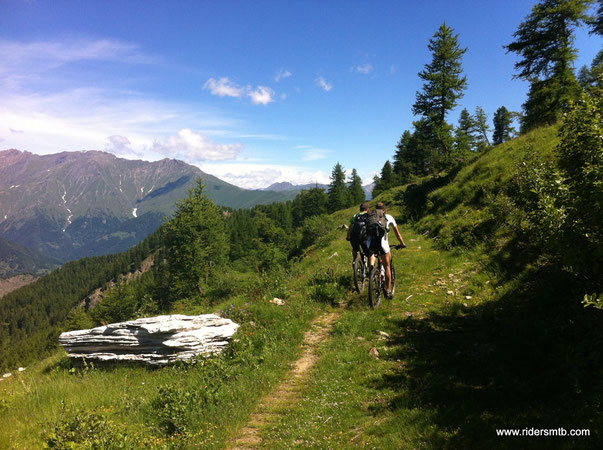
[
  {"x": 476, "y": 339},
  {"x": 452, "y": 369},
  {"x": 188, "y": 405}
]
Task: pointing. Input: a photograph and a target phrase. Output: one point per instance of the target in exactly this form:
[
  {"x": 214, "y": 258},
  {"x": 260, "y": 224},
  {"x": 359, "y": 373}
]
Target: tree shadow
[{"x": 531, "y": 359}]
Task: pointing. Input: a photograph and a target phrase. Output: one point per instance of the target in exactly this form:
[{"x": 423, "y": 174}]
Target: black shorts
[{"x": 360, "y": 246}]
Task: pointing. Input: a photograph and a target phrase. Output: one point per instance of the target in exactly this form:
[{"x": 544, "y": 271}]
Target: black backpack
[
  {"x": 358, "y": 234},
  {"x": 376, "y": 223}
]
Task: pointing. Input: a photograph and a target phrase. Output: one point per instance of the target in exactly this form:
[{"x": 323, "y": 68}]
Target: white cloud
[
  {"x": 365, "y": 69},
  {"x": 223, "y": 87},
  {"x": 281, "y": 75},
  {"x": 79, "y": 119},
  {"x": 119, "y": 144},
  {"x": 310, "y": 153},
  {"x": 27, "y": 57},
  {"x": 192, "y": 146},
  {"x": 257, "y": 176},
  {"x": 262, "y": 95},
  {"x": 321, "y": 82}
]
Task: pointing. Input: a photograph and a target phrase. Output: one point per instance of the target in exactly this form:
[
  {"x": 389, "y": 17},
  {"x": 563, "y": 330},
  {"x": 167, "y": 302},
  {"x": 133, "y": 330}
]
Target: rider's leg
[{"x": 387, "y": 259}]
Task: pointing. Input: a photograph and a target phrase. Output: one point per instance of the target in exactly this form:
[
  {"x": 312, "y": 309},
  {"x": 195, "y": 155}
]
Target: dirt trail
[{"x": 287, "y": 393}]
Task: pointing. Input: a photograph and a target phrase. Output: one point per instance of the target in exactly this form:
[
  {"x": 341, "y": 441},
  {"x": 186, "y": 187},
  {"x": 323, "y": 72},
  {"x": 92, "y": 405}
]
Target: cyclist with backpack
[
  {"x": 378, "y": 224},
  {"x": 357, "y": 231}
]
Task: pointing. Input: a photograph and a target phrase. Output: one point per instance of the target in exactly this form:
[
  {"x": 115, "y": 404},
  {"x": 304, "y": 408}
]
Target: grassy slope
[
  {"x": 192, "y": 404},
  {"x": 478, "y": 340},
  {"x": 517, "y": 353}
]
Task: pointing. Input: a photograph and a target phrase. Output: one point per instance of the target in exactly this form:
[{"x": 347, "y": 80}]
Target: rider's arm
[{"x": 399, "y": 236}]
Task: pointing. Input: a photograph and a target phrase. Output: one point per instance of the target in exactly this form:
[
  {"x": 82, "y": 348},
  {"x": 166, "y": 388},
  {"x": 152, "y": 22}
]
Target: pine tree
[
  {"x": 464, "y": 141},
  {"x": 338, "y": 192},
  {"x": 197, "y": 243},
  {"x": 386, "y": 180},
  {"x": 309, "y": 203},
  {"x": 481, "y": 129},
  {"x": 356, "y": 192},
  {"x": 502, "y": 126},
  {"x": 443, "y": 86},
  {"x": 405, "y": 159},
  {"x": 545, "y": 43},
  {"x": 596, "y": 22}
]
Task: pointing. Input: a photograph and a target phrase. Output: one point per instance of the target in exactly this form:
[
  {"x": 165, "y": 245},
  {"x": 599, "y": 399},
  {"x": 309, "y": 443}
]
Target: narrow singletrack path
[{"x": 277, "y": 402}]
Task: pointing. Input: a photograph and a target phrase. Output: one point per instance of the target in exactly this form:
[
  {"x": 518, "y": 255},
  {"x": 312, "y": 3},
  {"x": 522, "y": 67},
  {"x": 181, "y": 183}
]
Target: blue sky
[{"x": 254, "y": 92}]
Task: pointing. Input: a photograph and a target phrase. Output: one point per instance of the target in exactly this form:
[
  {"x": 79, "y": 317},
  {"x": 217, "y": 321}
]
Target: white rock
[
  {"x": 155, "y": 340},
  {"x": 6, "y": 375},
  {"x": 21, "y": 369},
  {"x": 333, "y": 255},
  {"x": 277, "y": 301},
  {"x": 468, "y": 297}
]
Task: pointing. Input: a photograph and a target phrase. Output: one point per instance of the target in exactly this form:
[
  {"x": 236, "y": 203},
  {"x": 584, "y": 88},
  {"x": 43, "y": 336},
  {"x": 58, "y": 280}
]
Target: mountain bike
[
  {"x": 377, "y": 281},
  {"x": 361, "y": 271}
]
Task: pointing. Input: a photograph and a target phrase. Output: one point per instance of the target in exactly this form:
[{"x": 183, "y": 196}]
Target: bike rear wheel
[
  {"x": 359, "y": 270},
  {"x": 375, "y": 287}
]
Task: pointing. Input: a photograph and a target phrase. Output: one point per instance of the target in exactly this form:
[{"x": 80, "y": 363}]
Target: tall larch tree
[
  {"x": 357, "y": 195},
  {"x": 339, "y": 197},
  {"x": 443, "y": 86},
  {"x": 545, "y": 43}
]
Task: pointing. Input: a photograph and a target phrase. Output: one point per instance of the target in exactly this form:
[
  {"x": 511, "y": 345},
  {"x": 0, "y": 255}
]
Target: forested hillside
[{"x": 18, "y": 259}]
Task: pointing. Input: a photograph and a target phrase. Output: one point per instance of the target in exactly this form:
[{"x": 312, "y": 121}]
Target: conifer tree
[
  {"x": 464, "y": 140},
  {"x": 544, "y": 41},
  {"x": 405, "y": 159},
  {"x": 444, "y": 85},
  {"x": 309, "y": 203},
  {"x": 197, "y": 243},
  {"x": 357, "y": 195},
  {"x": 386, "y": 180},
  {"x": 482, "y": 128},
  {"x": 339, "y": 197},
  {"x": 502, "y": 126}
]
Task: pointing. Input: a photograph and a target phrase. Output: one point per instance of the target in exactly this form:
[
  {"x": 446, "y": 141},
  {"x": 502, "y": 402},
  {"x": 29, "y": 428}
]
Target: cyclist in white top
[{"x": 382, "y": 247}]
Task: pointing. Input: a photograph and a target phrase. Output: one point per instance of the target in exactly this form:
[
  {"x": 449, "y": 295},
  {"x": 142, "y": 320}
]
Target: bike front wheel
[
  {"x": 393, "y": 272},
  {"x": 375, "y": 287},
  {"x": 359, "y": 274}
]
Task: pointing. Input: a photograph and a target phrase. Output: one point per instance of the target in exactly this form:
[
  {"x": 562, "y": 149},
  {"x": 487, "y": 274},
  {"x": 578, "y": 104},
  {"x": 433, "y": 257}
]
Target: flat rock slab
[{"x": 157, "y": 340}]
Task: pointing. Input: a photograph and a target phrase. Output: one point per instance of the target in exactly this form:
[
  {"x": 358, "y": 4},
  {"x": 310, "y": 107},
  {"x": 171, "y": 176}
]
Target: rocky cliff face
[{"x": 75, "y": 204}]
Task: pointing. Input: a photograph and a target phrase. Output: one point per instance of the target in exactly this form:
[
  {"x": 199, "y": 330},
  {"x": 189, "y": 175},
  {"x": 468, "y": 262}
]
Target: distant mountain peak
[{"x": 74, "y": 204}]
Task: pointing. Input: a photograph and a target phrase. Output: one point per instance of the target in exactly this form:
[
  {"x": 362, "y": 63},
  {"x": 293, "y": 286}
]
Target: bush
[
  {"x": 560, "y": 201},
  {"x": 315, "y": 231}
]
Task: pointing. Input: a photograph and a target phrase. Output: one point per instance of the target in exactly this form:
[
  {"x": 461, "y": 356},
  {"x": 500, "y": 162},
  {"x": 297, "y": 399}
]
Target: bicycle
[
  {"x": 377, "y": 281},
  {"x": 360, "y": 270}
]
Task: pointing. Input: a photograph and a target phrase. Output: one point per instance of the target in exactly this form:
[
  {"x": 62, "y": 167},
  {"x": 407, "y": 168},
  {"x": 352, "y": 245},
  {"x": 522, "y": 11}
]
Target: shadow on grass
[{"x": 533, "y": 358}]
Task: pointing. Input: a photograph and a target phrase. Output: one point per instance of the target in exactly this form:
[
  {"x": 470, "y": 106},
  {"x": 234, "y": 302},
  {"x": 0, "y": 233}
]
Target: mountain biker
[
  {"x": 381, "y": 247},
  {"x": 356, "y": 235}
]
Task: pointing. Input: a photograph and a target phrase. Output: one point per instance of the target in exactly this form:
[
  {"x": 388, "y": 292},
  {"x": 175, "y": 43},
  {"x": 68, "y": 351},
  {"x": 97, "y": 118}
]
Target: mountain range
[
  {"x": 285, "y": 186},
  {"x": 71, "y": 205}
]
